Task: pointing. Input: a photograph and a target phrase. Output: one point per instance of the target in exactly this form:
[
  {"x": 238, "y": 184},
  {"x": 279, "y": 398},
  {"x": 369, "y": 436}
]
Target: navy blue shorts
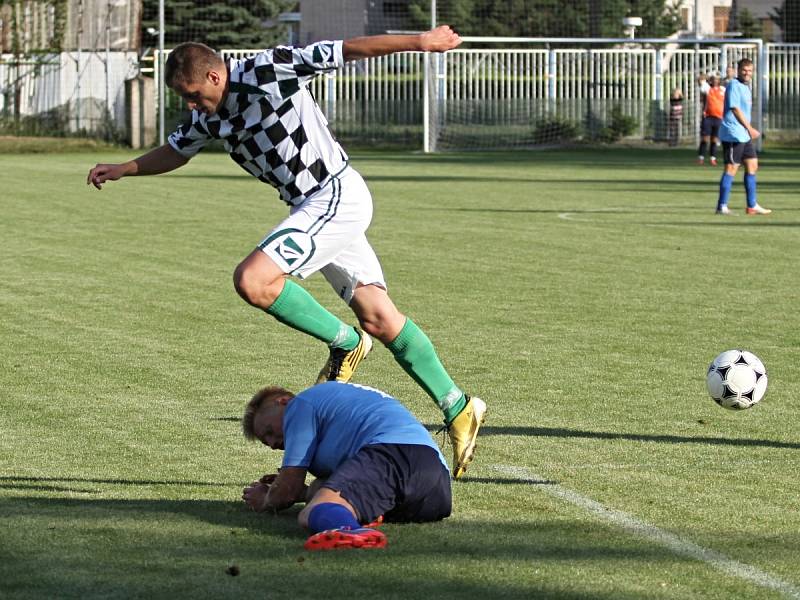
[
  {"x": 736, "y": 152},
  {"x": 406, "y": 483},
  {"x": 710, "y": 126}
]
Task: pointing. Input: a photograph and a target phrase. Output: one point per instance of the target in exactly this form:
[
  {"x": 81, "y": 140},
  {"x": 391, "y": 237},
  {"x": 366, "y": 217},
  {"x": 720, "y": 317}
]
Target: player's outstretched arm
[
  {"x": 160, "y": 160},
  {"x": 440, "y": 39}
]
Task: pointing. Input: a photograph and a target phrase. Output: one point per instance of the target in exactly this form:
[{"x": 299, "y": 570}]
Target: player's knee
[
  {"x": 383, "y": 325},
  {"x": 253, "y": 288},
  {"x": 372, "y": 326}
]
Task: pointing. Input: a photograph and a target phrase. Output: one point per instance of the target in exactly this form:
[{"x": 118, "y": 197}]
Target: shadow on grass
[
  {"x": 60, "y": 547},
  {"x": 631, "y": 437},
  {"x": 168, "y": 482},
  {"x": 216, "y": 512},
  {"x": 67, "y": 547},
  {"x": 612, "y": 184}
]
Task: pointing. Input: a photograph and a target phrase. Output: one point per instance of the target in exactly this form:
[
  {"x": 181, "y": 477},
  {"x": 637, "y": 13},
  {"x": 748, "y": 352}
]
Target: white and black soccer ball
[{"x": 737, "y": 379}]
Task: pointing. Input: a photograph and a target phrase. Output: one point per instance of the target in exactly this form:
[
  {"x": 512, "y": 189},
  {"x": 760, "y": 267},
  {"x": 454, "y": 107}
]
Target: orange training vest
[{"x": 715, "y": 102}]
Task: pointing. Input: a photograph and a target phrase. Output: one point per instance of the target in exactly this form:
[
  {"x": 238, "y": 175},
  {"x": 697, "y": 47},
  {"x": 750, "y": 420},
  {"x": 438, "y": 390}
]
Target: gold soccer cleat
[
  {"x": 342, "y": 364},
  {"x": 463, "y": 433}
]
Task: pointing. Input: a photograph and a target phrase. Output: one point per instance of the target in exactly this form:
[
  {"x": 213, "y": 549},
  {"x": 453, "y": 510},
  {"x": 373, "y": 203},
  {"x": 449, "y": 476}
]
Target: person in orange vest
[{"x": 712, "y": 120}]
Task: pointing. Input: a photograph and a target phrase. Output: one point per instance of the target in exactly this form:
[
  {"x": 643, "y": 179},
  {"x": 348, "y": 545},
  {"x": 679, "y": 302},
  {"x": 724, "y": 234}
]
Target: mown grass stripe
[{"x": 651, "y": 532}]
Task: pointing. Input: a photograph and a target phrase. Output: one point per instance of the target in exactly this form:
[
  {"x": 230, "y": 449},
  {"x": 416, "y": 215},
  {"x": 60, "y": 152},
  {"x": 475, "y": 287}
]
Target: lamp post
[{"x": 630, "y": 24}]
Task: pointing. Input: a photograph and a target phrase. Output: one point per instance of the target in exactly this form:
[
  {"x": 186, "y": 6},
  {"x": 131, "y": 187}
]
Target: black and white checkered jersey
[{"x": 270, "y": 123}]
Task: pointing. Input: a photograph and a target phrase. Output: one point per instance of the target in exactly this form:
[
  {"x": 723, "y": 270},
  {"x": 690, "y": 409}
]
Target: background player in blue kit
[
  {"x": 271, "y": 126},
  {"x": 371, "y": 457},
  {"x": 737, "y": 135}
]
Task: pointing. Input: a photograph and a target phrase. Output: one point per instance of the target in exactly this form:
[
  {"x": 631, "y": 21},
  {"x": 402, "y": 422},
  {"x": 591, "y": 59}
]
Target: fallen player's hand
[
  {"x": 269, "y": 478},
  {"x": 255, "y": 496}
]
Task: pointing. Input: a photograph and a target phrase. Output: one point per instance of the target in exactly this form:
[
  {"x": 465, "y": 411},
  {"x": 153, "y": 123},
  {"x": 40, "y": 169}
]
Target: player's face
[
  {"x": 268, "y": 427},
  {"x": 204, "y": 96},
  {"x": 745, "y": 73}
]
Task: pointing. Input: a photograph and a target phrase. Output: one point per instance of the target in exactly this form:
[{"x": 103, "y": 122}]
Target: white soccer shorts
[{"x": 327, "y": 233}]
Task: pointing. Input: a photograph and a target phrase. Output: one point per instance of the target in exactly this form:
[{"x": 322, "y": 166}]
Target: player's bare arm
[
  {"x": 440, "y": 39},
  {"x": 754, "y": 133},
  {"x": 160, "y": 160},
  {"x": 286, "y": 489}
]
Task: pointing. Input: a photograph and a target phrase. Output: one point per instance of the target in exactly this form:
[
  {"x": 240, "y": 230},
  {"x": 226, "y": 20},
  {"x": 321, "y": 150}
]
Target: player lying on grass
[
  {"x": 272, "y": 127},
  {"x": 371, "y": 457}
]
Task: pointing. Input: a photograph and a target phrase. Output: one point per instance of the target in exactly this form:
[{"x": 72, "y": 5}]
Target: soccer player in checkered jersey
[{"x": 272, "y": 127}]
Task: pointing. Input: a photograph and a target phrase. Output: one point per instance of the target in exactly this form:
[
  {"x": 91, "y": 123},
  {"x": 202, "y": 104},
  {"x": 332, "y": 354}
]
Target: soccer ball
[{"x": 736, "y": 379}]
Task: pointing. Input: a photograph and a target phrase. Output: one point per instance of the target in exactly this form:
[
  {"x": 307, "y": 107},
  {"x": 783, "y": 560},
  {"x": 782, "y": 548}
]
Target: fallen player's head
[{"x": 263, "y": 416}]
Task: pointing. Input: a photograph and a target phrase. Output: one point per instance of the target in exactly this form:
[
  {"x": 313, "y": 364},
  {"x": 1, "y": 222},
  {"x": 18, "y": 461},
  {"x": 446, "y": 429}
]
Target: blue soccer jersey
[
  {"x": 737, "y": 95},
  {"x": 325, "y": 425}
]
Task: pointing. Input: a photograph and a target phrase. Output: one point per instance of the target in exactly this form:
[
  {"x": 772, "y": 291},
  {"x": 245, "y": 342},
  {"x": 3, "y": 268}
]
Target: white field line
[{"x": 654, "y": 534}]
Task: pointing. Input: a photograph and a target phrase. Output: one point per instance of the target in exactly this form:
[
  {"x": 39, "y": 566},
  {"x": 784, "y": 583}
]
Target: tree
[
  {"x": 659, "y": 19},
  {"x": 787, "y": 17},
  {"x": 231, "y": 24},
  {"x": 549, "y": 18},
  {"x": 748, "y": 25}
]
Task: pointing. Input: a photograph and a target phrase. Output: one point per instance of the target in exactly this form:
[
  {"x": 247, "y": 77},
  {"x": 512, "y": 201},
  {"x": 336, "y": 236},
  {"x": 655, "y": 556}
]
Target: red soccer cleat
[
  {"x": 342, "y": 538},
  {"x": 376, "y": 523},
  {"x": 758, "y": 210}
]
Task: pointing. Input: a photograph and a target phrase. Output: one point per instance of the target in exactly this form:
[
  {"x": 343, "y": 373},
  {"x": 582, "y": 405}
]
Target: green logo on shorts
[{"x": 288, "y": 250}]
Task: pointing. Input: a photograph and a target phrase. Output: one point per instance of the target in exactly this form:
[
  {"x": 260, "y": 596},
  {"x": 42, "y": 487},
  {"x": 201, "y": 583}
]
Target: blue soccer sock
[
  {"x": 725, "y": 185},
  {"x": 750, "y": 189},
  {"x": 329, "y": 515}
]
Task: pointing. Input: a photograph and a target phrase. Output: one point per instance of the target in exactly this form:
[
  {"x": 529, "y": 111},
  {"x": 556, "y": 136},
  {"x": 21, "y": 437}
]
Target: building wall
[
  {"x": 332, "y": 19},
  {"x": 35, "y": 26},
  {"x": 97, "y": 24},
  {"x": 90, "y": 25},
  {"x": 714, "y": 14},
  {"x": 342, "y": 19}
]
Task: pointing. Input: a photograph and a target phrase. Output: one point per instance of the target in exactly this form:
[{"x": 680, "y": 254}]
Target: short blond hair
[
  {"x": 266, "y": 398},
  {"x": 189, "y": 62}
]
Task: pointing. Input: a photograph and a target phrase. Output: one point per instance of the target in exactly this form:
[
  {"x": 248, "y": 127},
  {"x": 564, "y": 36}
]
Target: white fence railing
[
  {"x": 383, "y": 99},
  {"x": 508, "y": 88}
]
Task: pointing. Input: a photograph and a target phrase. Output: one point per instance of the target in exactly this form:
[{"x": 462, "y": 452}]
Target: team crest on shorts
[{"x": 290, "y": 248}]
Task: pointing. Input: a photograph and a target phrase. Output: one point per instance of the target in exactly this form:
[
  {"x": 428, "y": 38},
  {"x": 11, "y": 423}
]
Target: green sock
[
  {"x": 297, "y": 308},
  {"x": 415, "y": 353}
]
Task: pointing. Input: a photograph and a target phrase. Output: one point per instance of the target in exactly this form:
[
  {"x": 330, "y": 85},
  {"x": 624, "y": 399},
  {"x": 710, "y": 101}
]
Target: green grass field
[{"x": 582, "y": 294}]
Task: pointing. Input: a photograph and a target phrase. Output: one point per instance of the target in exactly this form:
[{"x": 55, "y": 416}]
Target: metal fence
[
  {"x": 783, "y": 101},
  {"x": 493, "y": 97},
  {"x": 71, "y": 93},
  {"x": 466, "y": 98}
]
